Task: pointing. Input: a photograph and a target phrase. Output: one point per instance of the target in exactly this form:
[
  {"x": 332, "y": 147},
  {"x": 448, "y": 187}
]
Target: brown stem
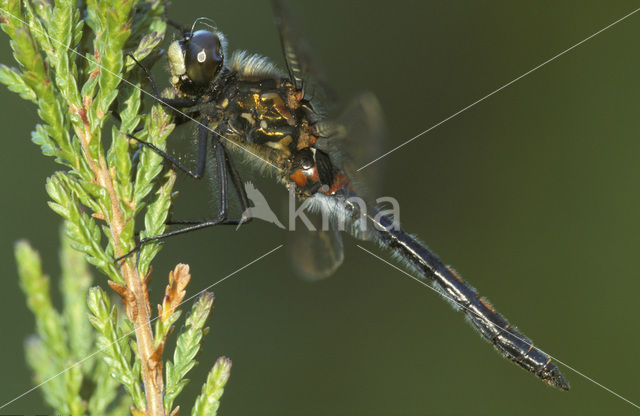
[{"x": 139, "y": 308}]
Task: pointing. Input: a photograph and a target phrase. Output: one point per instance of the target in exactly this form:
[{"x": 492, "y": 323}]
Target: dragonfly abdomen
[{"x": 491, "y": 325}]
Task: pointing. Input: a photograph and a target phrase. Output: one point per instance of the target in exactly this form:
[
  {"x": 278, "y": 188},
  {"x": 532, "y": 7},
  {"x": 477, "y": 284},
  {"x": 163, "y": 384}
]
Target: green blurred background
[{"x": 531, "y": 195}]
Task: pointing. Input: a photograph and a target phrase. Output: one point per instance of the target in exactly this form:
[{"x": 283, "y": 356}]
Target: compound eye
[{"x": 203, "y": 57}]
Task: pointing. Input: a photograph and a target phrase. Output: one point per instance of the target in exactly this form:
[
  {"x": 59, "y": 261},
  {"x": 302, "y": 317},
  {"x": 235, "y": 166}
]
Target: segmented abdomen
[{"x": 493, "y": 326}]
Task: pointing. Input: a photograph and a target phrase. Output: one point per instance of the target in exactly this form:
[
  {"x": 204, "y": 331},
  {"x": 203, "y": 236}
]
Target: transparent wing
[
  {"x": 355, "y": 138},
  {"x": 304, "y": 72},
  {"x": 317, "y": 254},
  {"x": 352, "y": 139}
]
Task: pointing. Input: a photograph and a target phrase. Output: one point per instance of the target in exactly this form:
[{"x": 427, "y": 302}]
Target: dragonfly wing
[
  {"x": 316, "y": 254},
  {"x": 355, "y": 138},
  {"x": 304, "y": 72}
]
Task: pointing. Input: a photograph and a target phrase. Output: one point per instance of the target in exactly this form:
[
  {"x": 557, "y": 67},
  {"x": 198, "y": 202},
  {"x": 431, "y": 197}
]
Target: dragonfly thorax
[{"x": 250, "y": 102}]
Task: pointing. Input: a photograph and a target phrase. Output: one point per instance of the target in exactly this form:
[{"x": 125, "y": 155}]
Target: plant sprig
[{"x": 72, "y": 63}]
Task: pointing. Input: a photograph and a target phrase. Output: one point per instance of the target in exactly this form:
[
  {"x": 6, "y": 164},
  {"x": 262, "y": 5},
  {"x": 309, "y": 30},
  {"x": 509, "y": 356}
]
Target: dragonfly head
[{"x": 196, "y": 60}]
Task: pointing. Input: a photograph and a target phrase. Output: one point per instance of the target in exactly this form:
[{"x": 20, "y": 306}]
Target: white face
[{"x": 176, "y": 63}]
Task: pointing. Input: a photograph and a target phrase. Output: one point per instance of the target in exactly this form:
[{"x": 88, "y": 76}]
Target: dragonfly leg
[
  {"x": 237, "y": 182},
  {"x": 223, "y": 180},
  {"x": 154, "y": 86},
  {"x": 194, "y": 227},
  {"x": 203, "y": 133},
  {"x": 225, "y": 170}
]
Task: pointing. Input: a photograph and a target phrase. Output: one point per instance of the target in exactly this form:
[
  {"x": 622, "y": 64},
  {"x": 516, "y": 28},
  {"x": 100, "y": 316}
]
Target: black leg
[
  {"x": 176, "y": 103},
  {"x": 223, "y": 203},
  {"x": 228, "y": 170},
  {"x": 181, "y": 117},
  {"x": 154, "y": 87},
  {"x": 203, "y": 132},
  {"x": 225, "y": 169},
  {"x": 223, "y": 182},
  {"x": 224, "y": 172},
  {"x": 237, "y": 183},
  {"x": 195, "y": 227}
]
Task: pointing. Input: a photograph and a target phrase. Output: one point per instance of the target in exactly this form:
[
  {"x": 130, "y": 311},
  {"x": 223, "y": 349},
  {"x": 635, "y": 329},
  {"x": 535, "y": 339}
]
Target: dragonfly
[{"x": 246, "y": 107}]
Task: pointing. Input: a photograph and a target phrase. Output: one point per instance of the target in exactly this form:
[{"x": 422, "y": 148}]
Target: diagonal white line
[
  {"x": 364, "y": 166},
  {"x": 423, "y": 283},
  {"x": 95, "y": 62},
  {"x": 498, "y": 90},
  {"x": 77, "y": 363}
]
